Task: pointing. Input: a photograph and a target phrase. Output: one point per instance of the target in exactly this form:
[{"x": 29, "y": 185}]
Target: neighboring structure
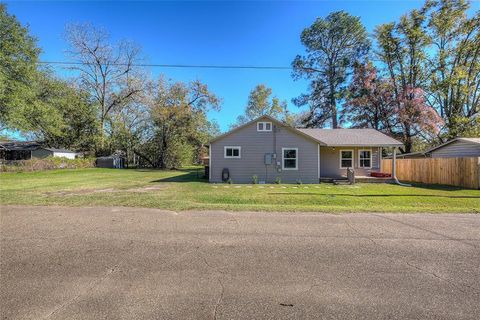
[
  {"x": 17, "y": 150},
  {"x": 52, "y": 152},
  {"x": 456, "y": 148},
  {"x": 25, "y": 150},
  {"x": 459, "y": 147},
  {"x": 411, "y": 155},
  {"x": 113, "y": 161},
  {"x": 271, "y": 150}
]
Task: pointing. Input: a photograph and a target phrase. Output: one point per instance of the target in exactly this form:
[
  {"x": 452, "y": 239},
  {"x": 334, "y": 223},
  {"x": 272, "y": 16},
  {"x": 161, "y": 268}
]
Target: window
[
  {"x": 232, "y": 152},
  {"x": 346, "y": 159},
  {"x": 289, "y": 158},
  {"x": 264, "y": 126},
  {"x": 365, "y": 158}
]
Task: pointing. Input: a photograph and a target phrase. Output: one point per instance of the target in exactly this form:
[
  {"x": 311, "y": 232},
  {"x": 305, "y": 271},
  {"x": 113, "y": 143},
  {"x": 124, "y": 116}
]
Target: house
[
  {"x": 459, "y": 147},
  {"x": 411, "y": 155},
  {"x": 44, "y": 152},
  {"x": 25, "y": 150},
  {"x": 271, "y": 150},
  {"x": 456, "y": 148}
]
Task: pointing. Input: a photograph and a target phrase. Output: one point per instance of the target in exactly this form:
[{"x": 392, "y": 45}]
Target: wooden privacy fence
[{"x": 462, "y": 172}]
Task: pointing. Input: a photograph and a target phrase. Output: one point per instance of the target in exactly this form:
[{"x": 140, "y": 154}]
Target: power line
[{"x": 175, "y": 65}]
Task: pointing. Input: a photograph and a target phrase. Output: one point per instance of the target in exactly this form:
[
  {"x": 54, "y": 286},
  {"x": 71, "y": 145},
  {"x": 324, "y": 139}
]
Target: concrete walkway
[{"x": 127, "y": 263}]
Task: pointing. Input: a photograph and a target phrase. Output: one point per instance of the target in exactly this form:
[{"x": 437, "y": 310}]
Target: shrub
[
  {"x": 229, "y": 181},
  {"x": 49, "y": 163},
  {"x": 255, "y": 179},
  {"x": 278, "y": 180},
  {"x": 299, "y": 181}
]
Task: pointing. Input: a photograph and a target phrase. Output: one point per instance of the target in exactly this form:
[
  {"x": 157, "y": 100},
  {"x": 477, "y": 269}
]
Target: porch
[{"x": 366, "y": 163}]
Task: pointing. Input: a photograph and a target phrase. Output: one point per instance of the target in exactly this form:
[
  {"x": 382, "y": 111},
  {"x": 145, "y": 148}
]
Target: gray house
[
  {"x": 270, "y": 150},
  {"x": 459, "y": 147},
  {"x": 456, "y": 148}
]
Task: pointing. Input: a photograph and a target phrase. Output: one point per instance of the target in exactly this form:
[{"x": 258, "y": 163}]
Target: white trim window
[
  {"x": 346, "y": 158},
  {"x": 230, "y": 152},
  {"x": 365, "y": 158},
  {"x": 264, "y": 126},
  {"x": 289, "y": 158}
]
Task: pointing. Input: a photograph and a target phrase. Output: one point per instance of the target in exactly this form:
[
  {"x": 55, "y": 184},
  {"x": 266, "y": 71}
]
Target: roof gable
[
  {"x": 330, "y": 137},
  {"x": 270, "y": 119},
  {"x": 470, "y": 140}
]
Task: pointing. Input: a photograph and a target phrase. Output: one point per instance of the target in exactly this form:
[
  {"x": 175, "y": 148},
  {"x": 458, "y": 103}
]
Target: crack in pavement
[
  {"x": 363, "y": 236},
  {"x": 217, "y": 270},
  {"x": 222, "y": 273},
  {"x": 441, "y": 278},
  {"x": 408, "y": 263},
  {"x": 219, "y": 300},
  {"x": 234, "y": 218},
  {"x": 427, "y": 230},
  {"x": 90, "y": 288}
]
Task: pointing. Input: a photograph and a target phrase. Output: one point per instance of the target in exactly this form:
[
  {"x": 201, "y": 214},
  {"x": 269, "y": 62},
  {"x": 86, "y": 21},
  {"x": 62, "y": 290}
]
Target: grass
[{"x": 184, "y": 190}]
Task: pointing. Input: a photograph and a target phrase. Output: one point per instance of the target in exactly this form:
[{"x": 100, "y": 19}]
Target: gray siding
[
  {"x": 457, "y": 149},
  {"x": 330, "y": 161},
  {"x": 254, "y": 147}
]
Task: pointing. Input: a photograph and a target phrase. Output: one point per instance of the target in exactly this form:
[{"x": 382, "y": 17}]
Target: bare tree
[{"x": 108, "y": 72}]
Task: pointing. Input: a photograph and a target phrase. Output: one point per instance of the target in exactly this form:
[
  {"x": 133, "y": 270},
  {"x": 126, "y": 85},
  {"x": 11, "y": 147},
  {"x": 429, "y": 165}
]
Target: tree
[
  {"x": 178, "y": 123},
  {"x": 454, "y": 63},
  {"x": 260, "y": 103},
  {"x": 402, "y": 50},
  {"x": 59, "y": 115},
  {"x": 333, "y": 46},
  {"x": 18, "y": 67},
  {"x": 107, "y": 72},
  {"x": 465, "y": 127},
  {"x": 370, "y": 101}
]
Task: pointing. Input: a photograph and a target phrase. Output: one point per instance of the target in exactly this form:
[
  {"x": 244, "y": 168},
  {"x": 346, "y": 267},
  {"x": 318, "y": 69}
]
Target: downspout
[
  {"x": 394, "y": 169},
  {"x": 274, "y": 158}
]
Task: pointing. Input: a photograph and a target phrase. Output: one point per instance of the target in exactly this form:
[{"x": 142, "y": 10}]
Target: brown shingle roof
[{"x": 352, "y": 137}]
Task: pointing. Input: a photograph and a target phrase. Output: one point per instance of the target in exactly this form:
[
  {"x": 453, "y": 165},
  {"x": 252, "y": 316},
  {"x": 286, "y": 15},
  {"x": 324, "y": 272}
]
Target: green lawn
[{"x": 182, "y": 190}]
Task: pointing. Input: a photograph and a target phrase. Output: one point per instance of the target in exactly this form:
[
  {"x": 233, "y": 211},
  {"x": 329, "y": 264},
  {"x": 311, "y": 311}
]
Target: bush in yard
[
  {"x": 255, "y": 179},
  {"x": 278, "y": 180},
  {"x": 49, "y": 163}
]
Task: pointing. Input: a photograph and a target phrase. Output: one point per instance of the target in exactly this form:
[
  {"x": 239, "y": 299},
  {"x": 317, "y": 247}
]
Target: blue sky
[{"x": 220, "y": 33}]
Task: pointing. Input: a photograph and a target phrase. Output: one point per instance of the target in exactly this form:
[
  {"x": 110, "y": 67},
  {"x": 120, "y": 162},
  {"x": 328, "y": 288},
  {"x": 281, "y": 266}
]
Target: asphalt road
[{"x": 125, "y": 263}]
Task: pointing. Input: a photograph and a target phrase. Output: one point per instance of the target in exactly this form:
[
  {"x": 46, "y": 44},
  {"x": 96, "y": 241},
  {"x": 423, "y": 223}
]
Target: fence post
[
  {"x": 478, "y": 173},
  {"x": 394, "y": 163}
]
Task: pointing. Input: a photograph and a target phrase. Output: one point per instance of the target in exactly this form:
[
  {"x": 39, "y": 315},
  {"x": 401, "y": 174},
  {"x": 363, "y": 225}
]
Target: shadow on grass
[
  {"x": 189, "y": 175},
  {"x": 372, "y": 195},
  {"x": 439, "y": 187}
]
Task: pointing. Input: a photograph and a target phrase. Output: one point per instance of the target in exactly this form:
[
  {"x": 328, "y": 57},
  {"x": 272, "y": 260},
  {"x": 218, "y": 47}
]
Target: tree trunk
[
  {"x": 333, "y": 105},
  {"x": 408, "y": 140},
  {"x": 144, "y": 157}
]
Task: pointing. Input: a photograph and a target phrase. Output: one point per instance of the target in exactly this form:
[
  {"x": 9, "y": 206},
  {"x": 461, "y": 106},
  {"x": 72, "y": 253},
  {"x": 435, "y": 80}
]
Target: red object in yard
[{"x": 380, "y": 175}]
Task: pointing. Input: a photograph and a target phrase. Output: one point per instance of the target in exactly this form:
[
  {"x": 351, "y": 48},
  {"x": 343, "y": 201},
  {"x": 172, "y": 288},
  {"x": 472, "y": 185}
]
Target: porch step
[
  {"x": 335, "y": 180},
  {"x": 341, "y": 181},
  {"x": 358, "y": 179}
]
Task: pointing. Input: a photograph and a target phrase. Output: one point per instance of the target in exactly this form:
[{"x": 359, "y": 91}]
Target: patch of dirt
[
  {"x": 147, "y": 188},
  {"x": 107, "y": 190}
]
